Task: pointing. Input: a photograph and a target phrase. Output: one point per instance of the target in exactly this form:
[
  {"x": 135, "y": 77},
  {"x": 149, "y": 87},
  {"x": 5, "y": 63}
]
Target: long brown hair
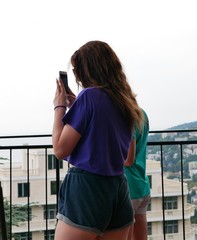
[{"x": 97, "y": 65}]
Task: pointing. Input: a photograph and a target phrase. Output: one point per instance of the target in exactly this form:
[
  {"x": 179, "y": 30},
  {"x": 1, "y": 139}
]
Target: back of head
[{"x": 97, "y": 65}]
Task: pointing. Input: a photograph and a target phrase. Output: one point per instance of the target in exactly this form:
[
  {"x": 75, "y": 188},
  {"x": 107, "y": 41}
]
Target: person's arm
[
  {"x": 64, "y": 137},
  {"x": 131, "y": 153}
]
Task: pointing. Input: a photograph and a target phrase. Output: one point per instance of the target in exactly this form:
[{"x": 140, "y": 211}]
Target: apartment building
[
  {"x": 38, "y": 167},
  {"x": 175, "y": 207},
  {"x": 192, "y": 168}
]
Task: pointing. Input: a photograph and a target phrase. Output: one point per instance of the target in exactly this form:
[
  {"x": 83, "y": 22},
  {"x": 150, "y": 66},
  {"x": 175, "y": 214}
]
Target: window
[
  {"x": 50, "y": 212},
  {"x": 54, "y": 187},
  {"x": 149, "y": 227},
  {"x": 170, "y": 203},
  {"x": 52, "y": 161},
  {"x": 171, "y": 226},
  {"x": 23, "y": 189},
  {"x": 149, "y": 206},
  {"x": 150, "y": 180},
  {"x": 23, "y": 236},
  {"x": 49, "y": 235}
]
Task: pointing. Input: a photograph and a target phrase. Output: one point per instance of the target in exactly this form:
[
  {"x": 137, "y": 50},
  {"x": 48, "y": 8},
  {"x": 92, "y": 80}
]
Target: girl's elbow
[
  {"x": 61, "y": 154},
  {"x": 129, "y": 162}
]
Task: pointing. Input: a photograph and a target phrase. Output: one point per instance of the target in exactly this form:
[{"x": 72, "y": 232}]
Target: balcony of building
[{"x": 30, "y": 176}]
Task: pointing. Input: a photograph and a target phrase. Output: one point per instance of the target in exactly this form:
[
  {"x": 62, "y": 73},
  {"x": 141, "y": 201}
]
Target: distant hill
[
  {"x": 190, "y": 125},
  {"x": 185, "y": 126},
  {"x": 172, "y": 153}
]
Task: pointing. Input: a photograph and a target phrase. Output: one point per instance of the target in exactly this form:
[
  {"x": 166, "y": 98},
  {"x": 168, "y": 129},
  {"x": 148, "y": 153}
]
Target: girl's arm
[
  {"x": 131, "y": 153},
  {"x": 64, "y": 137}
]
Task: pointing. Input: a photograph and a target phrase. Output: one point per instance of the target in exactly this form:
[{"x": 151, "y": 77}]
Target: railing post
[
  {"x": 2, "y": 216},
  {"x": 163, "y": 194},
  {"x": 182, "y": 192}
]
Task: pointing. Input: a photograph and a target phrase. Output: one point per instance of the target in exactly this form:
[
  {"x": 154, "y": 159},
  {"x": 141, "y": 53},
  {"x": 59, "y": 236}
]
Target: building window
[
  {"x": 23, "y": 189},
  {"x": 170, "y": 203},
  {"x": 52, "y": 161},
  {"x": 54, "y": 187},
  {"x": 150, "y": 180},
  {"x": 149, "y": 227},
  {"x": 171, "y": 226},
  {"x": 149, "y": 206},
  {"x": 23, "y": 236},
  {"x": 49, "y": 235},
  {"x": 50, "y": 212}
]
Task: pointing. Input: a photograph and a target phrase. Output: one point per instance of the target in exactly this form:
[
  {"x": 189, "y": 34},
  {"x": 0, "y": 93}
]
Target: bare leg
[
  {"x": 66, "y": 232},
  {"x": 130, "y": 235},
  {"x": 121, "y": 234},
  {"x": 140, "y": 231}
]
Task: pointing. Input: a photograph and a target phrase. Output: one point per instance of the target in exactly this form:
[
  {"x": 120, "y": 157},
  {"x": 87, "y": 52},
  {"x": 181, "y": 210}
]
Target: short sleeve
[
  {"x": 79, "y": 115},
  {"x": 134, "y": 133}
]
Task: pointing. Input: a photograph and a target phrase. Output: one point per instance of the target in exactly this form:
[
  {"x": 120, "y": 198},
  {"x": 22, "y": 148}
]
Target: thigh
[
  {"x": 140, "y": 205},
  {"x": 136, "y": 203},
  {"x": 140, "y": 227},
  {"x": 67, "y": 232},
  {"x": 121, "y": 234}
]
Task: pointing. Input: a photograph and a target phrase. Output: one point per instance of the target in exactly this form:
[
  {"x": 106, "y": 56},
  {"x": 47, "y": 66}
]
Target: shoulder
[
  {"x": 145, "y": 115},
  {"x": 91, "y": 90},
  {"x": 145, "y": 128},
  {"x": 146, "y": 119},
  {"x": 91, "y": 93}
]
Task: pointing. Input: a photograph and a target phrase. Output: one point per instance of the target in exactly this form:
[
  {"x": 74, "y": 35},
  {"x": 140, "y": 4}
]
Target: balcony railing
[{"x": 25, "y": 159}]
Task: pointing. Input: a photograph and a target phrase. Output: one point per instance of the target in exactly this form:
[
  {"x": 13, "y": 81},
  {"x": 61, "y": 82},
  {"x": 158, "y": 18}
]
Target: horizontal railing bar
[
  {"x": 25, "y": 147},
  {"x": 173, "y": 130},
  {"x": 26, "y": 136},
  {"x": 49, "y": 135},
  {"x": 172, "y": 142},
  {"x": 50, "y": 146}
]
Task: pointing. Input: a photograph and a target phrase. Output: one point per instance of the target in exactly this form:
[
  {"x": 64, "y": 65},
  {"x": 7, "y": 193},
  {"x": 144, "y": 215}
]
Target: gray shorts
[
  {"x": 140, "y": 205},
  {"x": 93, "y": 202}
]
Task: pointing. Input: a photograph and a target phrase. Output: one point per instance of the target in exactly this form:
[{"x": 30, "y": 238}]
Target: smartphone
[{"x": 64, "y": 78}]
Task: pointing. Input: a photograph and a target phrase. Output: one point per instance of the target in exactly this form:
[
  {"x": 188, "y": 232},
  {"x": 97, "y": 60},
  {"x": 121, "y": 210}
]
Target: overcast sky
[{"x": 155, "y": 41}]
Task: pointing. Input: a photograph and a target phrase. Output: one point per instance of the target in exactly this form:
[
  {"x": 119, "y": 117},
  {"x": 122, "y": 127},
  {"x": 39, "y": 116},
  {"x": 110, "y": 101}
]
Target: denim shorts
[
  {"x": 140, "y": 205},
  {"x": 93, "y": 202}
]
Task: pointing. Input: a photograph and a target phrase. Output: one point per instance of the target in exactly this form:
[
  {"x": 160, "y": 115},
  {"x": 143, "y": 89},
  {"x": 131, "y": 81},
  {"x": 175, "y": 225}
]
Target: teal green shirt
[{"x": 136, "y": 174}]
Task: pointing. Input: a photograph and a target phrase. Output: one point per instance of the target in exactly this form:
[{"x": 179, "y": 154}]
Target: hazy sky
[{"x": 156, "y": 42}]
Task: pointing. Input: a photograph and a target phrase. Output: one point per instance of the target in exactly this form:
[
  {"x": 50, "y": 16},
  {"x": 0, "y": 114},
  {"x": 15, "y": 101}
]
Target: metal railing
[
  {"x": 33, "y": 143},
  {"x": 181, "y": 143},
  {"x": 10, "y": 144}
]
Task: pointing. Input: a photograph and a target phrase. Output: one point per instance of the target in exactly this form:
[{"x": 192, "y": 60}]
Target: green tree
[
  {"x": 194, "y": 218},
  {"x": 19, "y": 214}
]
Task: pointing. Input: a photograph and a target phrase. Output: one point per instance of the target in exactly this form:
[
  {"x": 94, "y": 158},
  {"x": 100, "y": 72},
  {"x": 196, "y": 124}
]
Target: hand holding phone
[{"x": 64, "y": 78}]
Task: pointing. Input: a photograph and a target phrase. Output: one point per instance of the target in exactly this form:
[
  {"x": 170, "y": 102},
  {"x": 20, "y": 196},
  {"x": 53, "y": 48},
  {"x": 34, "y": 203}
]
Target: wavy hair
[{"x": 97, "y": 65}]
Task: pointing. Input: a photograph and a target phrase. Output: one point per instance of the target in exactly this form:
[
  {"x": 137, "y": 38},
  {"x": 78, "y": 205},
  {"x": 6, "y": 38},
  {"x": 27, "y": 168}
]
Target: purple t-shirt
[{"x": 105, "y": 133}]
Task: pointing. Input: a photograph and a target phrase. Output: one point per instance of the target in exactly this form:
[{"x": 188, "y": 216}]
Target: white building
[
  {"x": 42, "y": 188},
  {"x": 172, "y": 205},
  {"x": 192, "y": 168}
]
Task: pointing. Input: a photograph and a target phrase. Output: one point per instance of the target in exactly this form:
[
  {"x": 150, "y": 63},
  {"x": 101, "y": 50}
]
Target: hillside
[
  {"x": 185, "y": 126},
  {"x": 172, "y": 153},
  {"x": 190, "y": 125}
]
